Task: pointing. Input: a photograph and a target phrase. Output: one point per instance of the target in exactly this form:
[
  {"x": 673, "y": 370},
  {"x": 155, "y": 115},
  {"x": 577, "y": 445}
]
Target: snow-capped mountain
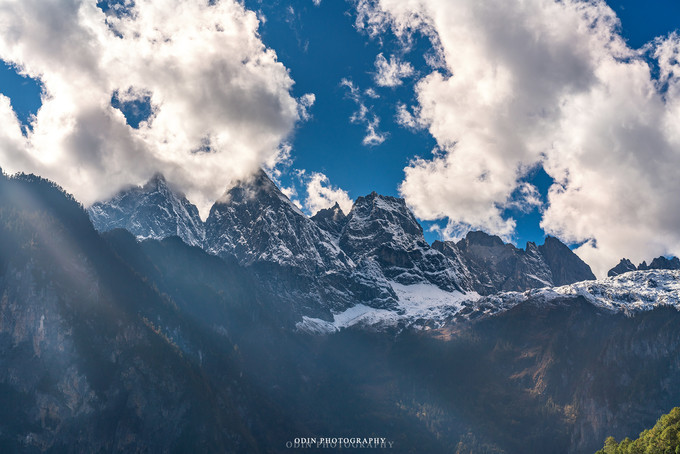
[
  {"x": 114, "y": 327},
  {"x": 374, "y": 257},
  {"x": 382, "y": 230},
  {"x": 151, "y": 211},
  {"x": 332, "y": 220},
  {"x": 494, "y": 266},
  {"x": 659, "y": 263},
  {"x": 256, "y": 223}
]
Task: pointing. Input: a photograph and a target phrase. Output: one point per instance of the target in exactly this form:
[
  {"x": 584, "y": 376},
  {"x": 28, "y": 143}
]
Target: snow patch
[
  {"x": 417, "y": 304},
  {"x": 421, "y": 305},
  {"x": 632, "y": 291}
]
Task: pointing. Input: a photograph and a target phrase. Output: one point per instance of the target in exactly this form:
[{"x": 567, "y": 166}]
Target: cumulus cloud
[
  {"x": 390, "y": 73},
  {"x": 219, "y": 100},
  {"x": 551, "y": 83},
  {"x": 320, "y": 195},
  {"x": 364, "y": 114}
]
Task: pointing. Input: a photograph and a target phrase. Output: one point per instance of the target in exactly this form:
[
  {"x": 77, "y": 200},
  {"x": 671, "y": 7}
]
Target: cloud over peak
[
  {"x": 221, "y": 102},
  {"x": 321, "y": 194},
  {"x": 551, "y": 83}
]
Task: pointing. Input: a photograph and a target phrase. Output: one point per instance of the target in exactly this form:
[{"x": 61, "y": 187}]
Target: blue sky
[
  {"x": 321, "y": 46},
  {"x": 612, "y": 170}
]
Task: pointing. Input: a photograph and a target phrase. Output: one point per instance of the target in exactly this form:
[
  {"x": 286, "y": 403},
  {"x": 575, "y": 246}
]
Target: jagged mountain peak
[
  {"x": 255, "y": 183},
  {"x": 389, "y": 202},
  {"x": 479, "y": 238},
  {"x": 158, "y": 182},
  {"x": 384, "y": 221},
  {"x": 566, "y": 266},
  {"x": 153, "y": 210},
  {"x": 259, "y": 226},
  {"x": 257, "y": 188},
  {"x": 382, "y": 230},
  {"x": 397, "y": 222},
  {"x": 334, "y": 212},
  {"x": 658, "y": 263},
  {"x": 495, "y": 266},
  {"x": 623, "y": 266},
  {"x": 664, "y": 263},
  {"x": 157, "y": 177},
  {"x": 256, "y": 222},
  {"x": 331, "y": 219},
  {"x": 552, "y": 242}
]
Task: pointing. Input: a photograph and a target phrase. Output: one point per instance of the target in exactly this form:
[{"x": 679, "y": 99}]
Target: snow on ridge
[
  {"x": 417, "y": 304},
  {"x": 423, "y": 304},
  {"x": 392, "y": 204},
  {"x": 631, "y": 291}
]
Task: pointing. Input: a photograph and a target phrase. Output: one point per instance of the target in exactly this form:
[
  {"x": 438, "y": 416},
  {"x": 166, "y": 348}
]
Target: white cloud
[
  {"x": 305, "y": 103},
  {"x": 371, "y": 93},
  {"x": 390, "y": 73},
  {"x": 405, "y": 118},
  {"x": 373, "y": 135},
  {"x": 551, "y": 83},
  {"x": 320, "y": 195},
  {"x": 292, "y": 195},
  {"x": 364, "y": 115},
  {"x": 221, "y": 100}
]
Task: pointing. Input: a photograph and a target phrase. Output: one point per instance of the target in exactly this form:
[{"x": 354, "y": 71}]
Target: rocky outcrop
[
  {"x": 659, "y": 263},
  {"x": 332, "y": 220},
  {"x": 624, "y": 266},
  {"x": 565, "y": 266},
  {"x": 383, "y": 230},
  {"x": 256, "y": 223},
  {"x": 495, "y": 266}
]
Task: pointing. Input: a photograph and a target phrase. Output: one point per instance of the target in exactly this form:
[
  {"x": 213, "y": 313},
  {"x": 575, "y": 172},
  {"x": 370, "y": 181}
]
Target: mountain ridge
[
  {"x": 332, "y": 261},
  {"x": 658, "y": 263},
  {"x": 111, "y": 343}
]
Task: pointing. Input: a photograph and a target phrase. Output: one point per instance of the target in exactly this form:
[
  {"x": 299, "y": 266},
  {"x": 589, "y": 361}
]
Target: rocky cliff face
[
  {"x": 659, "y": 263},
  {"x": 261, "y": 227},
  {"x": 382, "y": 230},
  {"x": 150, "y": 211},
  {"x": 332, "y": 220},
  {"x": 494, "y": 266}
]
